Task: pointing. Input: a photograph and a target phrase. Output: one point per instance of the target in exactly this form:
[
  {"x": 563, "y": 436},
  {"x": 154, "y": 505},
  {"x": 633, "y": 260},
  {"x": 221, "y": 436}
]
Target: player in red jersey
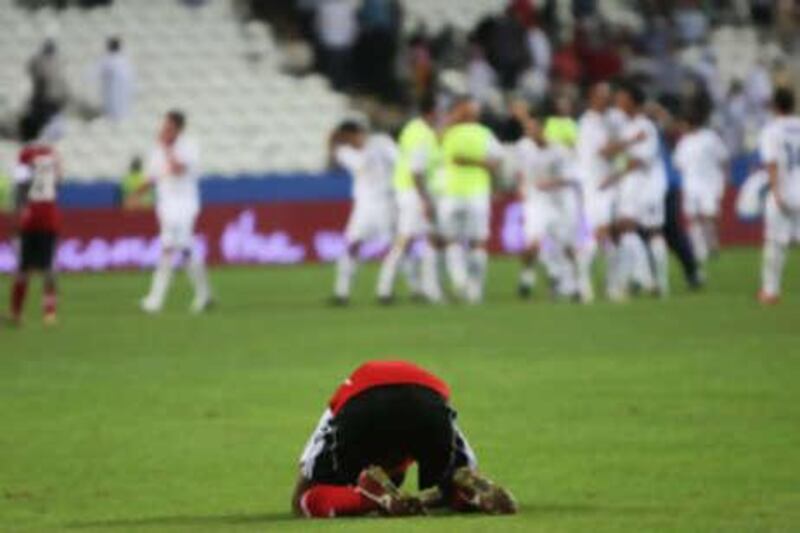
[
  {"x": 384, "y": 417},
  {"x": 37, "y": 174}
]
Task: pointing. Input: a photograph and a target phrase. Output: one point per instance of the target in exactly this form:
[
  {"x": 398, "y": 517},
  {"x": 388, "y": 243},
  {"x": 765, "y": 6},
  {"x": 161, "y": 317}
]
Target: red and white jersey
[
  {"x": 382, "y": 373},
  {"x": 39, "y": 171},
  {"x": 38, "y": 167}
]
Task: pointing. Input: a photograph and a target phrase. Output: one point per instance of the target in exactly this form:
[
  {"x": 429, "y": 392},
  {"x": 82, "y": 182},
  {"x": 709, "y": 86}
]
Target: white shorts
[
  {"x": 642, "y": 202},
  {"x": 599, "y": 205},
  {"x": 780, "y": 227},
  {"x": 177, "y": 228},
  {"x": 699, "y": 203},
  {"x": 411, "y": 221},
  {"x": 464, "y": 218},
  {"x": 368, "y": 222},
  {"x": 558, "y": 220}
]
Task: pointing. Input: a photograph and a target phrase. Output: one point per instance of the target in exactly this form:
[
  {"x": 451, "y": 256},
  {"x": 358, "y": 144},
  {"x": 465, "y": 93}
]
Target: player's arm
[
  {"x": 615, "y": 148},
  {"x": 176, "y": 166}
]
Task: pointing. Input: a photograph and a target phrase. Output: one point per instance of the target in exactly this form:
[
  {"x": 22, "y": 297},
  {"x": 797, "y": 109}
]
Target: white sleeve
[
  {"x": 768, "y": 146},
  {"x": 494, "y": 150},
  {"x": 418, "y": 160},
  {"x": 315, "y": 443},
  {"x": 21, "y": 173},
  {"x": 348, "y": 157},
  {"x": 188, "y": 154},
  {"x": 152, "y": 169},
  {"x": 721, "y": 150}
]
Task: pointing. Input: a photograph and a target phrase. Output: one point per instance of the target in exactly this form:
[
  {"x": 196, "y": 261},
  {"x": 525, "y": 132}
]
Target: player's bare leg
[
  {"x": 478, "y": 262},
  {"x": 346, "y": 268},
  {"x": 430, "y": 268},
  {"x": 582, "y": 275},
  {"x": 50, "y": 299},
  {"x": 162, "y": 277},
  {"x": 772, "y": 263}
]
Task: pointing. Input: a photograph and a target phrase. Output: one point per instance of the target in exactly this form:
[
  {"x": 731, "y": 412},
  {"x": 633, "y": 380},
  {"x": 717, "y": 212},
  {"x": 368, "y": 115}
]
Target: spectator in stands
[
  {"x": 481, "y": 77},
  {"x": 116, "y": 77},
  {"x": 540, "y": 50},
  {"x": 380, "y": 23},
  {"x": 758, "y": 91},
  {"x": 691, "y": 23},
  {"x": 50, "y": 89},
  {"x": 505, "y": 41},
  {"x": 336, "y": 25},
  {"x": 734, "y": 118}
]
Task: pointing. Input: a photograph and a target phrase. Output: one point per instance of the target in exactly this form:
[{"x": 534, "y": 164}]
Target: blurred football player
[
  {"x": 701, "y": 157},
  {"x": 386, "y": 416},
  {"x": 643, "y": 186},
  {"x": 416, "y": 165},
  {"x": 173, "y": 169},
  {"x": 780, "y": 154},
  {"x": 37, "y": 174},
  {"x": 471, "y": 156},
  {"x": 370, "y": 160},
  {"x": 548, "y": 190}
]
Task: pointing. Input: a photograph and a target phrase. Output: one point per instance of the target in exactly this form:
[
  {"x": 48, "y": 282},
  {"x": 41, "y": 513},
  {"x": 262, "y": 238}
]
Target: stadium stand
[{"x": 226, "y": 75}]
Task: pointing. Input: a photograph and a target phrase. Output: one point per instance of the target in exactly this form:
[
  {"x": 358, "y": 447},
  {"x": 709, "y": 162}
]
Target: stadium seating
[{"x": 248, "y": 115}]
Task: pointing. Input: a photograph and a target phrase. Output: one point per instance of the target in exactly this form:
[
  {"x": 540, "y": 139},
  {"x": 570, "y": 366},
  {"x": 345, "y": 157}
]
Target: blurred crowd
[{"x": 545, "y": 51}]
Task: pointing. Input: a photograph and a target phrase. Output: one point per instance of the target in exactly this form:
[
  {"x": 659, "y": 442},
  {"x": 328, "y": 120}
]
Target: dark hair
[
  {"x": 427, "y": 104},
  {"x": 29, "y": 128},
  {"x": 178, "y": 118},
  {"x": 350, "y": 127},
  {"x": 783, "y": 100},
  {"x": 634, "y": 90},
  {"x": 113, "y": 44}
]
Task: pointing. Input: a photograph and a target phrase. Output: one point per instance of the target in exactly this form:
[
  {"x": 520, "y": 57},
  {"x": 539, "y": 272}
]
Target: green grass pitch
[{"x": 681, "y": 415}]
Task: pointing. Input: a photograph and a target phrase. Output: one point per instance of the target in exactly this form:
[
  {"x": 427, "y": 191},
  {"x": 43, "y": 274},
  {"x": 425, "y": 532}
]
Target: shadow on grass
[
  {"x": 286, "y": 518},
  {"x": 188, "y": 521}
]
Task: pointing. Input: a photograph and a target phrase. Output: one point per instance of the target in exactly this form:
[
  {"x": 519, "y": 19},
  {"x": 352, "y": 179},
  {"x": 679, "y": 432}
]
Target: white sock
[
  {"x": 411, "y": 271},
  {"x": 389, "y": 268},
  {"x": 612, "y": 256},
  {"x": 643, "y": 268},
  {"x": 345, "y": 271},
  {"x": 429, "y": 272},
  {"x": 527, "y": 276},
  {"x": 162, "y": 277},
  {"x": 658, "y": 250},
  {"x": 583, "y": 269},
  {"x": 628, "y": 252},
  {"x": 774, "y": 257},
  {"x": 457, "y": 267},
  {"x": 697, "y": 236},
  {"x": 479, "y": 260},
  {"x": 196, "y": 269}
]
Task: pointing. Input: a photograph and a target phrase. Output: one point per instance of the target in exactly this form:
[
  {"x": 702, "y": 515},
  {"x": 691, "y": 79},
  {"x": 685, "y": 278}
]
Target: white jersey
[
  {"x": 700, "y": 157},
  {"x": 780, "y": 144},
  {"x": 539, "y": 164},
  {"x": 594, "y": 134},
  {"x": 176, "y": 193},
  {"x": 651, "y": 175},
  {"x": 372, "y": 168}
]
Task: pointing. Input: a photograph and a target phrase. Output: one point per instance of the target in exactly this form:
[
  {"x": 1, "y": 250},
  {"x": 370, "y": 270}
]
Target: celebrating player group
[{"x": 599, "y": 190}]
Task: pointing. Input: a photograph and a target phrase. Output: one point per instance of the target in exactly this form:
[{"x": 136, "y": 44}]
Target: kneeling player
[
  {"x": 37, "y": 174},
  {"x": 384, "y": 417}
]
